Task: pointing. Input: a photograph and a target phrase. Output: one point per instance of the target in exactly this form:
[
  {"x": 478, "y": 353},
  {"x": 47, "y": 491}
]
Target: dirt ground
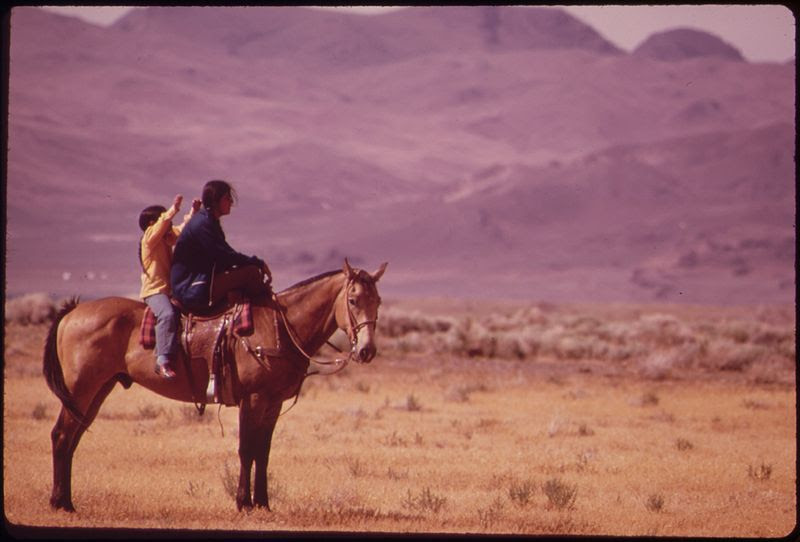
[{"x": 425, "y": 444}]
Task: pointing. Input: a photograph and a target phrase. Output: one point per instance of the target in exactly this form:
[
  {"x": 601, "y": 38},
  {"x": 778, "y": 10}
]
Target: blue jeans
[{"x": 166, "y": 324}]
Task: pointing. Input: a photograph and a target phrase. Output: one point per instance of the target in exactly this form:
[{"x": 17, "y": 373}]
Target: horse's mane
[
  {"x": 313, "y": 279},
  {"x": 362, "y": 275}
]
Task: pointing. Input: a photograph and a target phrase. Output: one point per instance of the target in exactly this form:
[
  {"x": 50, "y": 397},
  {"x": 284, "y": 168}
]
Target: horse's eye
[{"x": 352, "y": 301}]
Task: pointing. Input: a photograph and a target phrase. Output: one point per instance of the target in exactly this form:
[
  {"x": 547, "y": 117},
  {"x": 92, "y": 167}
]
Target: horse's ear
[
  {"x": 348, "y": 271},
  {"x": 379, "y": 273}
]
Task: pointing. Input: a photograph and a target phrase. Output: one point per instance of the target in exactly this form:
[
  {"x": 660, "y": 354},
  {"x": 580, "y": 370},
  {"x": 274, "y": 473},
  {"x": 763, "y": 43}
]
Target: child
[{"x": 155, "y": 255}]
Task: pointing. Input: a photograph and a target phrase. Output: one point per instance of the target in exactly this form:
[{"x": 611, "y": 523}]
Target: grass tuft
[
  {"x": 426, "y": 501},
  {"x": 487, "y": 517},
  {"x": 39, "y": 411},
  {"x": 230, "y": 479},
  {"x": 521, "y": 492},
  {"x": 655, "y": 503},
  {"x": 413, "y": 404},
  {"x": 149, "y": 412},
  {"x": 560, "y": 494},
  {"x": 356, "y": 467},
  {"x": 760, "y": 473}
]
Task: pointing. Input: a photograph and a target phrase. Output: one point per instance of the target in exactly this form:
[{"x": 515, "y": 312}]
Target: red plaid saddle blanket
[{"x": 242, "y": 325}]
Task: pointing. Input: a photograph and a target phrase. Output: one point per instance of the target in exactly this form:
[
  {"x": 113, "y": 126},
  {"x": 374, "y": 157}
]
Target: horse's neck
[{"x": 310, "y": 309}]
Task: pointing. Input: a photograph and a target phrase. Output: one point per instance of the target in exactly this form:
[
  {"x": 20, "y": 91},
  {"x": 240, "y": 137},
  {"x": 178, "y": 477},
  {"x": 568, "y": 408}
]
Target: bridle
[
  {"x": 354, "y": 327},
  {"x": 352, "y": 334},
  {"x": 338, "y": 363}
]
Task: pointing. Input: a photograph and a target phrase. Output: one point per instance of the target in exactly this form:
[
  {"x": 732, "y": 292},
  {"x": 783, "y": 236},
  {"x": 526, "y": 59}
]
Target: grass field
[{"x": 437, "y": 436}]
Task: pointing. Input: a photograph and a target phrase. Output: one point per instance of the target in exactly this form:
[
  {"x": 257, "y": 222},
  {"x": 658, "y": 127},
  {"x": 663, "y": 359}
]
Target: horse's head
[{"x": 357, "y": 310}]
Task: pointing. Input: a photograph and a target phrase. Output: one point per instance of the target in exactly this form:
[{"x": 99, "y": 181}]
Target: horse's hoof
[{"x": 58, "y": 504}]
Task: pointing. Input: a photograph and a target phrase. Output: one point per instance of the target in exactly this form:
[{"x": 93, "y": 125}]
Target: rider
[
  {"x": 205, "y": 267},
  {"x": 155, "y": 256}
]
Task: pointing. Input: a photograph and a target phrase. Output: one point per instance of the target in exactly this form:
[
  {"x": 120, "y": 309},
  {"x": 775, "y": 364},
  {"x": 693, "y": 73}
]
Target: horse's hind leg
[{"x": 66, "y": 434}]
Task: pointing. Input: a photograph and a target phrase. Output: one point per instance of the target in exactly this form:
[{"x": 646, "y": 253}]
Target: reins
[{"x": 340, "y": 363}]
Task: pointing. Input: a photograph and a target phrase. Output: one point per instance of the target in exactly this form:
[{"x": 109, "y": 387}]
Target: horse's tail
[{"x": 51, "y": 369}]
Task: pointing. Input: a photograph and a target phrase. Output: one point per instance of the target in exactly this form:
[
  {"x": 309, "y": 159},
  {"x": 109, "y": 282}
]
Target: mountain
[
  {"x": 685, "y": 43},
  {"x": 491, "y": 152},
  {"x": 332, "y": 40}
]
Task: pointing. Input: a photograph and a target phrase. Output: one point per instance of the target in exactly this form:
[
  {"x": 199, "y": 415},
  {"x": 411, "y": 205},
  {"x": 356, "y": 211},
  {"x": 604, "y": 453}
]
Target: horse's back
[{"x": 107, "y": 314}]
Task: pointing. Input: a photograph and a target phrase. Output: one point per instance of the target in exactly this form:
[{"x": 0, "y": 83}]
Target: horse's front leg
[
  {"x": 267, "y": 427},
  {"x": 247, "y": 432}
]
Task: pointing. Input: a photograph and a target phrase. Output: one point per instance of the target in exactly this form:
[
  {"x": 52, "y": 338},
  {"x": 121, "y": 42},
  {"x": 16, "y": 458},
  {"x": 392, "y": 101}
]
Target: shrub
[
  {"x": 560, "y": 495},
  {"x": 648, "y": 398},
  {"x": 761, "y": 473},
  {"x": 426, "y": 501},
  {"x": 572, "y": 347},
  {"x": 28, "y": 309},
  {"x": 362, "y": 386},
  {"x": 397, "y": 475},
  {"x": 394, "y": 440},
  {"x": 149, "y": 412},
  {"x": 488, "y": 516},
  {"x": 529, "y": 316},
  {"x": 190, "y": 414},
  {"x": 726, "y": 355},
  {"x": 356, "y": 467},
  {"x": 521, "y": 492},
  {"x": 39, "y": 411},
  {"x": 664, "y": 343},
  {"x": 662, "y": 363},
  {"x": 736, "y": 330},
  {"x": 395, "y": 324},
  {"x": 230, "y": 479},
  {"x": 509, "y": 346},
  {"x": 584, "y": 430},
  {"x": 411, "y": 342},
  {"x": 412, "y": 404},
  {"x": 556, "y": 425},
  {"x": 195, "y": 489},
  {"x": 662, "y": 330},
  {"x": 767, "y": 335},
  {"x": 655, "y": 503}
]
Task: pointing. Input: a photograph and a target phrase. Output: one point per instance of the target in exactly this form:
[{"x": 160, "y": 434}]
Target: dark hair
[
  {"x": 147, "y": 217},
  {"x": 150, "y": 215},
  {"x": 214, "y": 191}
]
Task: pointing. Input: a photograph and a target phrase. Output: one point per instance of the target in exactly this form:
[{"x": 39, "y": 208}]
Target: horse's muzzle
[{"x": 366, "y": 353}]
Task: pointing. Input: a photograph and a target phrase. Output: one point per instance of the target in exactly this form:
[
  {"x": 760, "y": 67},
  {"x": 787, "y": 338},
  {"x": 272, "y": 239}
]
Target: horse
[{"x": 91, "y": 346}]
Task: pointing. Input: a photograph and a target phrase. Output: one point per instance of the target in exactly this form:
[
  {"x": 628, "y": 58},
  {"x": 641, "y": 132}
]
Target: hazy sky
[{"x": 760, "y": 32}]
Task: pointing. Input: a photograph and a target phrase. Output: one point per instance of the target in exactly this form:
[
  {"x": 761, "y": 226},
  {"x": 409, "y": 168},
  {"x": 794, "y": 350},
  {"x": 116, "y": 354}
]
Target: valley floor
[{"x": 425, "y": 445}]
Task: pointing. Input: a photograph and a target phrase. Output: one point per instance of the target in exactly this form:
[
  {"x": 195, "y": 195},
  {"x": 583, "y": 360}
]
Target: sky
[{"x": 762, "y": 33}]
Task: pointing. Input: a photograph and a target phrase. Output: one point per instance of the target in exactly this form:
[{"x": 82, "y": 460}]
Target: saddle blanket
[{"x": 242, "y": 326}]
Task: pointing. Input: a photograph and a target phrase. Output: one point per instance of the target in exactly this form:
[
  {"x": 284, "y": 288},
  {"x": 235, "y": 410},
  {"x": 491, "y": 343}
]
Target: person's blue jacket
[{"x": 200, "y": 252}]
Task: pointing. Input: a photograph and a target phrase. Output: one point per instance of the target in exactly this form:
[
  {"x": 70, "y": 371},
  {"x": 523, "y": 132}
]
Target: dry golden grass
[{"x": 434, "y": 443}]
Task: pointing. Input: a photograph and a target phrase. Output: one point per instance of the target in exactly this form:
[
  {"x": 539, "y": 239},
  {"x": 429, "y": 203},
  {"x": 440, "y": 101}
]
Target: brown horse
[{"x": 93, "y": 345}]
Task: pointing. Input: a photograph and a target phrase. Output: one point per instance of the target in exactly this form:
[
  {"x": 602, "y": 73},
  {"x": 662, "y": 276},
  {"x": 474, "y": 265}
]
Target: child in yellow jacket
[{"x": 155, "y": 255}]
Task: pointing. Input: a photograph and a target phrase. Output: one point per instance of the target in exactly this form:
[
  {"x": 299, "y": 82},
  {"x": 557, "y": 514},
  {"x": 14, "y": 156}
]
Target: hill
[
  {"x": 498, "y": 152},
  {"x": 685, "y": 43}
]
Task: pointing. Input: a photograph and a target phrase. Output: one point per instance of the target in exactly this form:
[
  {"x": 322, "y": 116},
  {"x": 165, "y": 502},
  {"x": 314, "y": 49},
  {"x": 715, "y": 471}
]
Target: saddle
[
  {"x": 242, "y": 322},
  {"x": 212, "y": 338}
]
